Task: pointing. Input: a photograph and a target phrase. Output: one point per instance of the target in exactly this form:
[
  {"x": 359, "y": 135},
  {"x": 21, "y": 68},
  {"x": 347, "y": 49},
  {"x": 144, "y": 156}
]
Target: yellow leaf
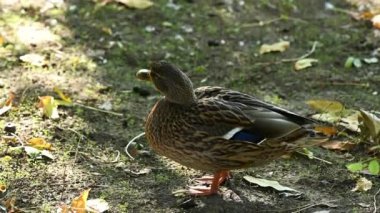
[
  {"x": 63, "y": 96},
  {"x": 304, "y": 63},
  {"x": 40, "y": 143},
  {"x": 327, "y": 130},
  {"x": 1, "y": 40},
  {"x": 276, "y": 47},
  {"x": 49, "y": 107},
  {"x": 326, "y": 106},
  {"x": 79, "y": 203},
  {"x": 138, "y": 4}
]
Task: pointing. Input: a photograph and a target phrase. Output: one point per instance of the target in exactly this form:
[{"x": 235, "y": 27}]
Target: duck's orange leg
[{"x": 219, "y": 178}]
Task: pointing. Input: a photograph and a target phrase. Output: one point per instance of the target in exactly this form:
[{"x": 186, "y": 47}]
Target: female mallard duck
[{"x": 215, "y": 129}]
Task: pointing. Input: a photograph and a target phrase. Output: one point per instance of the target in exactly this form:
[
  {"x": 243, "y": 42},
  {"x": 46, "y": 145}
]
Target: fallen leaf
[
  {"x": 49, "y": 107},
  {"x": 79, "y": 203},
  {"x": 276, "y": 47},
  {"x": 351, "y": 122},
  {"x": 33, "y": 59},
  {"x": 138, "y": 4},
  {"x": 304, "y": 63},
  {"x": 353, "y": 62},
  {"x": 268, "y": 183},
  {"x": 327, "y": 130},
  {"x": 1, "y": 40},
  {"x": 371, "y": 123},
  {"x": 97, "y": 205},
  {"x": 40, "y": 143},
  {"x": 10, "y": 205},
  {"x": 374, "y": 167},
  {"x": 327, "y": 117},
  {"x": 355, "y": 167},
  {"x": 376, "y": 21},
  {"x": 326, "y": 106},
  {"x": 38, "y": 154},
  {"x": 107, "y": 105},
  {"x": 139, "y": 172},
  {"x": 362, "y": 185},
  {"x": 338, "y": 145},
  {"x": 372, "y": 60},
  {"x": 8, "y": 103},
  {"x": 66, "y": 99}
]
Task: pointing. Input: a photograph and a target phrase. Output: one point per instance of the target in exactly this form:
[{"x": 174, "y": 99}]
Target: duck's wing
[{"x": 263, "y": 109}]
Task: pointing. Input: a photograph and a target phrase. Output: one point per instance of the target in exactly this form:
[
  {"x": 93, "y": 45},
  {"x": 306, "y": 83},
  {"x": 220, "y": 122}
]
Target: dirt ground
[{"x": 92, "y": 51}]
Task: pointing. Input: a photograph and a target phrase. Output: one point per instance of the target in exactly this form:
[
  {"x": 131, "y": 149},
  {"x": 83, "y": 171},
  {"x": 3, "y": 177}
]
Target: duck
[{"x": 216, "y": 130}]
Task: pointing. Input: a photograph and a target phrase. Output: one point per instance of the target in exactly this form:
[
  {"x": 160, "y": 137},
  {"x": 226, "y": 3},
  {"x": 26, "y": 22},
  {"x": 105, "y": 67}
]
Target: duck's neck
[{"x": 183, "y": 95}]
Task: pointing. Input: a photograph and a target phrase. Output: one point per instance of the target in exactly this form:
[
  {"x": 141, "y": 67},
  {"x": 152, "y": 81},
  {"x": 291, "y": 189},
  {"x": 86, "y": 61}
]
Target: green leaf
[
  {"x": 355, "y": 167},
  {"x": 374, "y": 167},
  {"x": 349, "y": 61}
]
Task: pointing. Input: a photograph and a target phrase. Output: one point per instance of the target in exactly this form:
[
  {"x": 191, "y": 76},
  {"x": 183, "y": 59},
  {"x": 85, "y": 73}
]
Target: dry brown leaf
[
  {"x": 138, "y": 4},
  {"x": 8, "y": 103},
  {"x": 338, "y": 145},
  {"x": 276, "y": 47},
  {"x": 79, "y": 203},
  {"x": 10, "y": 205},
  {"x": 326, "y": 106},
  {"x": 40, "y": 143}
]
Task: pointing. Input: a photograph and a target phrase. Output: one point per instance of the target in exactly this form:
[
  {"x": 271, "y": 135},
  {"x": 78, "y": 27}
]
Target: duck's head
[{"x": 170, "y": 81}]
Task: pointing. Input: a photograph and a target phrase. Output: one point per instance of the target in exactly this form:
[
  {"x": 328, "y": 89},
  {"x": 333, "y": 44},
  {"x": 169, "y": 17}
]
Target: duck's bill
[{"x": 144, "y": 74}]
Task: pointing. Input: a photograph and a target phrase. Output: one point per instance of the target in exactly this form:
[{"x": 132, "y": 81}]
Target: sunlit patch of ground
[{"x": 91, "y": 51}]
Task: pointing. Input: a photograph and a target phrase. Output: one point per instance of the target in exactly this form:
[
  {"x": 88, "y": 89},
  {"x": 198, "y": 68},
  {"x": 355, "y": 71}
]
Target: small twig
[
  {"x": 313, "y": 157},
  {"x": 263, "y": 23},
  {"x": 117, "y": 157},
  {"x": 99, "y": 110},
  {"x": 374, "y": 201},
  {"x": 18, "y": 138},
  {"x": 311, "y": 51},
  {"x": 365, "y": 85},
  {"x": 308, "y": 206},
  {"x": 130, "y": 142}
]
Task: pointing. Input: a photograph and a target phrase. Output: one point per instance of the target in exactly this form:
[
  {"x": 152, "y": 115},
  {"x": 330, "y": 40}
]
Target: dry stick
[
  {"x": 303, "y": 56},
  {"x": 374, "y": 201},
  {"x": 130, "y": 142},
  {"x": 308, "y": 206},
  {"x": 117, "y": 157},
  {"x": 262, "y": 23},
  {"x": 313, "y": 157},
  {"x": 99, "y": 110},
  {"x": 311, "y": 51}
]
